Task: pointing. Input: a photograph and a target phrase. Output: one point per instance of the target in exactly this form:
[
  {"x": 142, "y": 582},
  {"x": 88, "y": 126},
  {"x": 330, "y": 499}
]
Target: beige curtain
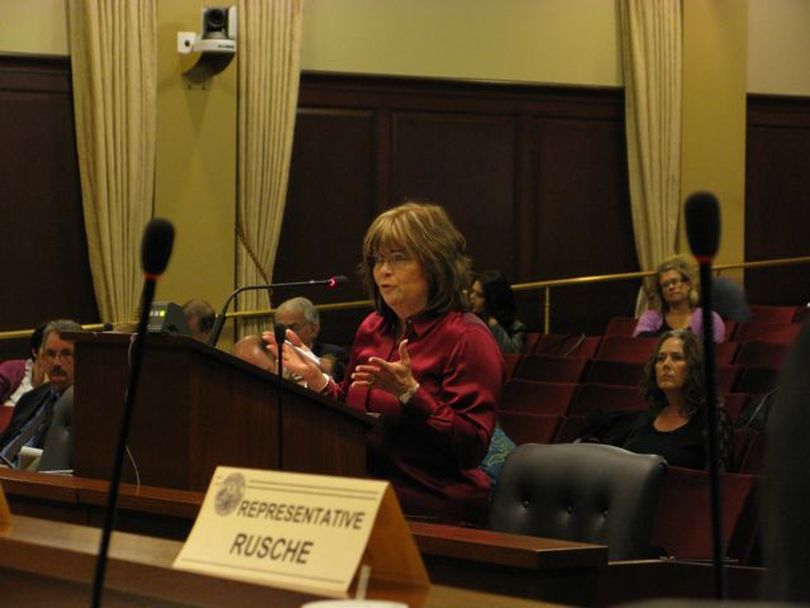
[
  {"x": 651, "y": 64},
  {"x": 114, "y": 65},
  {"x": 269, "y": 65}
]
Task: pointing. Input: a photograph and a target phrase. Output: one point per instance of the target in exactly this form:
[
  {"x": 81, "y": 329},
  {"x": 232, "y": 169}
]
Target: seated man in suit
[
  {"x": 32, "y": 415},
  {"x": 301, "y": 316}
]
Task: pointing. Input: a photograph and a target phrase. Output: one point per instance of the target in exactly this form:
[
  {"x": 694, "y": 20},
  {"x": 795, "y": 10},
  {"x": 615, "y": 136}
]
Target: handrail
[
  {"x": 26, "y": 333},
  {"x": 544, "y": 285}
]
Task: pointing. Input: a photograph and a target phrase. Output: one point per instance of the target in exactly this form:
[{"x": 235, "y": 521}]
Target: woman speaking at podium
[{"x": 425, "y": 365}]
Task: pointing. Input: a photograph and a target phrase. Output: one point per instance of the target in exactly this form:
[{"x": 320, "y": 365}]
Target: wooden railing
[{"x": 545, "y": 286}]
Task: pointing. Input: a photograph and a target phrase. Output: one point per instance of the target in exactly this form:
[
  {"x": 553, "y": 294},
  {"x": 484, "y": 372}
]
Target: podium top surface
[{"x": 190, "y": 345}]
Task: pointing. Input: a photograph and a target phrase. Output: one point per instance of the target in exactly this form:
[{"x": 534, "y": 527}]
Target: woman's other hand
[{"x": 394, "y": 377}]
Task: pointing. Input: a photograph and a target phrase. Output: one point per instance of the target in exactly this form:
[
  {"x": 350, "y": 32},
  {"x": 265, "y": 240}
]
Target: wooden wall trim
[
  {"x": 457, "y": 95},
  {"x": 778, "y": 111},
  {"x": 26, "y": 73}
]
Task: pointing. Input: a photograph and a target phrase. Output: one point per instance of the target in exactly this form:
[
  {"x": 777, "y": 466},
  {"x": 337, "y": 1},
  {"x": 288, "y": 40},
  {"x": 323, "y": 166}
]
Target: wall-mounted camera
[
  {"x": 218, "y": 32},
  {"x": 216, "y": 42}
]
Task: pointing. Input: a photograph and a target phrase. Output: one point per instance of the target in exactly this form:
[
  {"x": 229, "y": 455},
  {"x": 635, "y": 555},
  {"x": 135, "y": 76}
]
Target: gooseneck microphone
[
  {"x": 703, "y": 232},
  {"x": 219, "y": 322},
  {"x": 156, "y": 248}
]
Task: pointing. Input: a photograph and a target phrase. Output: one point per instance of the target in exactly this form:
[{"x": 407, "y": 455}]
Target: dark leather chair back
[
  {"x": 57, "y": 451},
  {"x": 581, "y": 492}
]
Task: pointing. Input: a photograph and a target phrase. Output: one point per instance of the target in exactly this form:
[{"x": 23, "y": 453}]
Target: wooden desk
[
  {"x": 46, "y": 563},
  {"x": 478, "y": 560},
  {"x": 521, "y": 566}
]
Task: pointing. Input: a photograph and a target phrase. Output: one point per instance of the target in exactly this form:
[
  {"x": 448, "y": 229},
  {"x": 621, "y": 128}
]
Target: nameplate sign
[{"x": 302, "y": 532}]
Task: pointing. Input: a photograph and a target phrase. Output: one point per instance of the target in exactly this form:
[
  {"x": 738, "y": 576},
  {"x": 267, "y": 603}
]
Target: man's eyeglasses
[
  {"x": 394, "y": 260},
  {"x": 65, "y": 353}
]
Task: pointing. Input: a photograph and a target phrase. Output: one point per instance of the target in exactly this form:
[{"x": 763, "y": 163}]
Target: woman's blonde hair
[
  {"x": 687, "y": 271},
  {"x": 426, "y": 232}
]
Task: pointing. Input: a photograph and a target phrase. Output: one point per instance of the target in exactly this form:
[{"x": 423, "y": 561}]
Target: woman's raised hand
[{"x": 394, "y": 377}]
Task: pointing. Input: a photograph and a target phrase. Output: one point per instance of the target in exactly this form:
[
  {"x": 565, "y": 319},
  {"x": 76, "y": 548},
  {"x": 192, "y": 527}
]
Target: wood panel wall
[
  {"x": 777, "y": 197},
  {"x": 46, "y": 273},
  {"x": 534, "y": 177}
]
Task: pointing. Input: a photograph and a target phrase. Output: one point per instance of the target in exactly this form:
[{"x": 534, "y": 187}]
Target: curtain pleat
[
  {"x": 651, "y": 64},
  {"x": 269, "y": 69},
  {"x": 114, "y": 70}
]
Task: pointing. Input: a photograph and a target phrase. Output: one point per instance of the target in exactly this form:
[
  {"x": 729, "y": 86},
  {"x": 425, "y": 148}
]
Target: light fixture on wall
[{"x": 214, "y": 47}]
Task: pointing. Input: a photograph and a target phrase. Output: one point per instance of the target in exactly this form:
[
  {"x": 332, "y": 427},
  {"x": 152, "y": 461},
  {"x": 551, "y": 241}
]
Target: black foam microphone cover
[
  {"x": 703, "y": 225},
  {"x": 337, "y": 281},
  {"x": 156, "y": 246}
]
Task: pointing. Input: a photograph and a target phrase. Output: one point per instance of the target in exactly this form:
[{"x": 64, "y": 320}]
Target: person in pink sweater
[{"x": 678, "y": 295}]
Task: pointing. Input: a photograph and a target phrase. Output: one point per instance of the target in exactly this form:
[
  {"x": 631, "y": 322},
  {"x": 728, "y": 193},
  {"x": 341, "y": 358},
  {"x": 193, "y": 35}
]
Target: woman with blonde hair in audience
[
  {"x": 677, "y": 291},
  {"x": 428, "y": 369}
]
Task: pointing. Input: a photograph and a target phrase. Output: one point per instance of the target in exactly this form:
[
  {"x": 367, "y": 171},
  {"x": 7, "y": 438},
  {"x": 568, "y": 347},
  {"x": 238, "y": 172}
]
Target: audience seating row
[
  {"x": 769, "y": 331},
  {"x": 778, "y": 314},
  {"x": 582, "y": 400},
  {"x": 781, "y": 320},
  {"x": 527, "y": 427},
  {"x": 682, "y": 526},
  {"x": 639, "y": 350},
  {"x": 634, "y": 504},
  {"x": 542, "y": 368}
]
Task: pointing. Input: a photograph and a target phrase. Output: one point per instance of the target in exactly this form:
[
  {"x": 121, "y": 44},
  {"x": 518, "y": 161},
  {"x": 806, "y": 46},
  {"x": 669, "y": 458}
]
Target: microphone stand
[
  {"x": 280, "y": 334},
  {"x": 720, "y": 578},
  {"x": 129, "y": 406}
]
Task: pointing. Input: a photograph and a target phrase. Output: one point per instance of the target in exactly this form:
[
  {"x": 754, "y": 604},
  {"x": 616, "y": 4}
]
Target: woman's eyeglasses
[{"x": 394, "y": 260}]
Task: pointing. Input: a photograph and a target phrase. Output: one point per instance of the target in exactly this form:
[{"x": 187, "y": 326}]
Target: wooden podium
[{"x": 198, "y": 407}]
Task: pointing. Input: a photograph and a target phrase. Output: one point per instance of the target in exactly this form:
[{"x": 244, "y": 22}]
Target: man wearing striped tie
[{"x": 32, "y": 415}]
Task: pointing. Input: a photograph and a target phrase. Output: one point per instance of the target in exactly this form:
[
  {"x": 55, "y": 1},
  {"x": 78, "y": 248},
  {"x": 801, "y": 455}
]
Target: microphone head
[
  {"x": 703, "y": 225},
  {"x": 336, "y": 281},
  {"x": 156, "y": 246}
]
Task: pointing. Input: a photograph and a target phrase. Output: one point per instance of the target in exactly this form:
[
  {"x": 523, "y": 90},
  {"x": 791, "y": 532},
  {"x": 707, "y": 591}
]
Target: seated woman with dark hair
[
  {"x": 492, "y": 299},
  {"x": 674, "y": 426}
]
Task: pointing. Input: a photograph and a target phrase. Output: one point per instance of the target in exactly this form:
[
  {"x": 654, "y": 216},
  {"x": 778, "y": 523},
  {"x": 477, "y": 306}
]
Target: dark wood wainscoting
[
  {"x": 777, "y": 196},
  {"x": 535, "y": 177},
  {"x": 46, "y": 273}
]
